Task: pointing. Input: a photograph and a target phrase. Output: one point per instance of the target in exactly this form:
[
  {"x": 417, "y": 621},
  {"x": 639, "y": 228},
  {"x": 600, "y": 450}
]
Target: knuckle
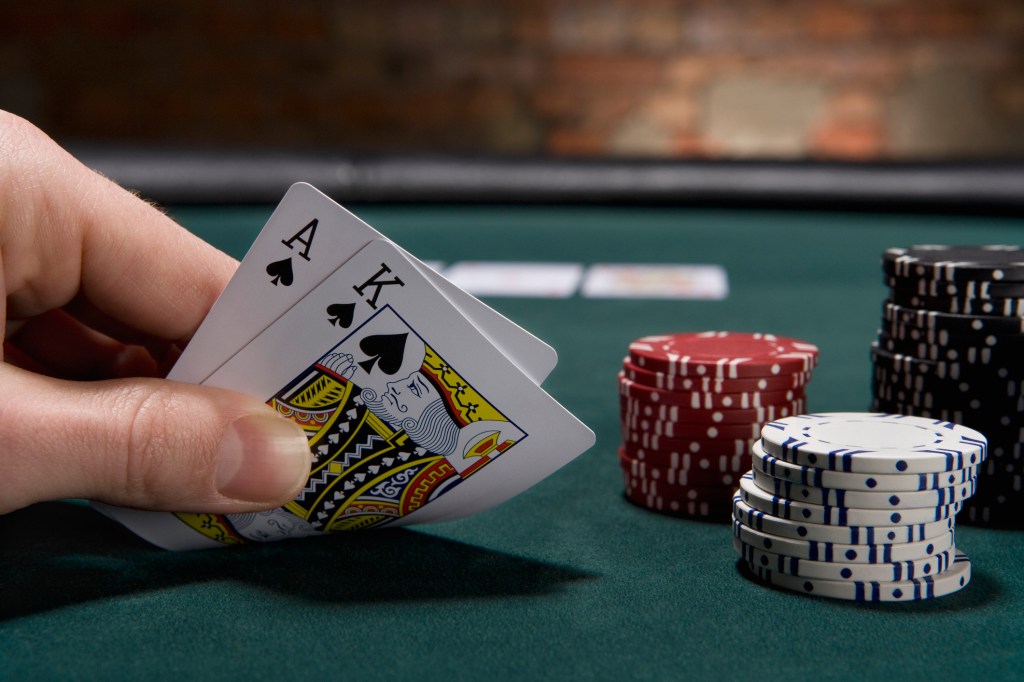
[{"x": 20, "y": 144}]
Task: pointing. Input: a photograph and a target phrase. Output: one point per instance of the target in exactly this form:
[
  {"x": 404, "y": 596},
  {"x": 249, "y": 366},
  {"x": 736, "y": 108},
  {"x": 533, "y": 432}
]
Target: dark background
[{"x": 933, "y": 80}]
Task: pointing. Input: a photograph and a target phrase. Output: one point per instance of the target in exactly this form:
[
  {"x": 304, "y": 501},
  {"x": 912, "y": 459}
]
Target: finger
[
  {"x": 163, "y": 351},
  {"x": 18, "y": 358},
  {"x": 145, "y": 443},
  {"x": 61, "y": 346},
  {"x": 65, "y": 231},
  {"x": 88, "y": 314}
]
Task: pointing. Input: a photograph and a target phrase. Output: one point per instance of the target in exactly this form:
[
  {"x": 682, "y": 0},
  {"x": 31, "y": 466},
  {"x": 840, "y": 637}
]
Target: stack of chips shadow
[
  {"x": 951, "y": 346},
  {"x": 691, "y": 406},
  {"x": 858, "y": 506}
]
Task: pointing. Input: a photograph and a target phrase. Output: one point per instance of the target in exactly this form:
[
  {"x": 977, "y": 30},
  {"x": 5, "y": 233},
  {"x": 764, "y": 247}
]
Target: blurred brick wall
[{"x": 844, "y": 79}]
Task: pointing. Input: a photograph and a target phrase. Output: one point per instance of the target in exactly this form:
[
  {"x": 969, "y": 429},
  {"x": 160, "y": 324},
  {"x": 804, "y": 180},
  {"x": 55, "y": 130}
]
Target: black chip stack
[{"x": 951, "y": 347}]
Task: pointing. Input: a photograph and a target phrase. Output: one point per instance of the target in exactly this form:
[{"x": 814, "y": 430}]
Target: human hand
[
  {"x": 342, "y": 364},
  {"x": 99, "y": 291}
]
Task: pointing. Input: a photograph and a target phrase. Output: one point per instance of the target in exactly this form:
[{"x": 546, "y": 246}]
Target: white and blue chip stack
[{"x": 858, "y": 506}]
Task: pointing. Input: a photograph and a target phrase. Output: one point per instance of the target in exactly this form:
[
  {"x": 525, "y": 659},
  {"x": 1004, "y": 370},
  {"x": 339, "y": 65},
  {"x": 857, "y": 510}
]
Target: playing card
[
  {"x": 308, "y": 237},
  {"x": 535, "y": 280},
  {"x": 412, "y": 414},
  {"x": 620, "y": 280}
]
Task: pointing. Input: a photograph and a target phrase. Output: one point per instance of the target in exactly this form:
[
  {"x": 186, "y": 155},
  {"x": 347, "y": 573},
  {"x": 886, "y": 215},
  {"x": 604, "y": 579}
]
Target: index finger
[{"x": 66, "y": 231}]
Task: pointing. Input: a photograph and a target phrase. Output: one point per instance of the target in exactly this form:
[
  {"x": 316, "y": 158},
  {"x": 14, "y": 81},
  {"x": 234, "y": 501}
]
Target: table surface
[{"x": 568, "y": 580}]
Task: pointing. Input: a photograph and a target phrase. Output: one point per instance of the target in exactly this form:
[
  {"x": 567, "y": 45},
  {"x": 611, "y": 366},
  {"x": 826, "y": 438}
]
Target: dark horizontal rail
[{"x": 207, "y": 177}]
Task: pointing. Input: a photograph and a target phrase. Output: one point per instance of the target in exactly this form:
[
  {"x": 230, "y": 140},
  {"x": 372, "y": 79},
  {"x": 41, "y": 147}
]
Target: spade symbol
[
  {"x": 281, "y": 271},
  {"x": 387, "y": 350},
  {"x": 341, "y": 314}
]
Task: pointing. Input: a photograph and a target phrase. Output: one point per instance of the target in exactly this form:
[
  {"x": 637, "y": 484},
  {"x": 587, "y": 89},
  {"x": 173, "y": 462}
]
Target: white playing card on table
[
  {"x": 533, "y": 280},
  {"x": 652, "y": 280},
  {"x": 412, "y": 414},
  {"x": 306, "y": 238}
]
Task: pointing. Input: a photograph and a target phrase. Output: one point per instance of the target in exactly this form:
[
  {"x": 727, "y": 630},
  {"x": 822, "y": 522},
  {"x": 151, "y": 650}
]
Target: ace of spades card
[
  {"x": 412, "y": 414},
  {"x": 306, "y": 238}
]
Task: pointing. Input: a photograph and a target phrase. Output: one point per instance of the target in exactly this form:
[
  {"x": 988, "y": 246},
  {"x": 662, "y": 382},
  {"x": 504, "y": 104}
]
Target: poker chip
[
  {"x": 951, "y": 347},
  {"x": 945, "y": 338},
  {"x": 666, "y": 504},
  {"x": 691, "y": 406},
  {"x": 980, "y": 401},
  {"x": 838, "y": 497},
  {"x": 956, "y": 263},
  {"x": 685, "y": 432},
  {"x": 795, "y": 510},
  {"x": 692, "y": 453},
  {"x": 723, "y": 355},
  {"x": 855, "y": 505},
  {"x": 825, "y": 478},
  {"x": 707, "y": 502},
  {"x": 856, "y": 535},
  {"x": 993, "y": 368},
  {"x": 711, "y": 493},
  {"x": 638, "y": 425},
  {"x": 962, "y": 351},
  {"x": 844, "y": 570},
  {"x": 873, "y": 443},
  {"x": 904, "y": 285},
  {"x": 674, "y": 382},
  {"x": 1006, "y": 465},
  {"x": 813, "y": 550},
  {"x": 679, "y": 475},
  {"x": 952, "y": 580},
  {"x": 702, "y": 400},
  {"x": 686, "y": 415},
  {"x": 985, "y": 421},
  {"x": 963, "y": 389},
  {"x": 960, "y": 305},
  {"x": 736, "y": 461},
  {"x": 950, "y": 322}
]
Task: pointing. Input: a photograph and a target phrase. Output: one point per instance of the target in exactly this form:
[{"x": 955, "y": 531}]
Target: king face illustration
[{"x": 391, "y": 425}]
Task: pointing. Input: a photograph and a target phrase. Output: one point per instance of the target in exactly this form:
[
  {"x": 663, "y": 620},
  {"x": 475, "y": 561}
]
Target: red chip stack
[{"x": 692, "y": 404}]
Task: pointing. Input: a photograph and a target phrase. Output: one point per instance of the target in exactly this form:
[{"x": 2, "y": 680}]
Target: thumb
[{"x": 146, "y": 443}]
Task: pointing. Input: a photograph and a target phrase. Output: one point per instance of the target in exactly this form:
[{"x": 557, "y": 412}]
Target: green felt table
[{"x": 568, "y": 580}]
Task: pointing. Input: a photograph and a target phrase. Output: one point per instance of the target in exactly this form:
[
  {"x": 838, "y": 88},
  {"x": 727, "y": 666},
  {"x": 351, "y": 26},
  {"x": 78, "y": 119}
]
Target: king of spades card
[{"x": 391, "y": 425}]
